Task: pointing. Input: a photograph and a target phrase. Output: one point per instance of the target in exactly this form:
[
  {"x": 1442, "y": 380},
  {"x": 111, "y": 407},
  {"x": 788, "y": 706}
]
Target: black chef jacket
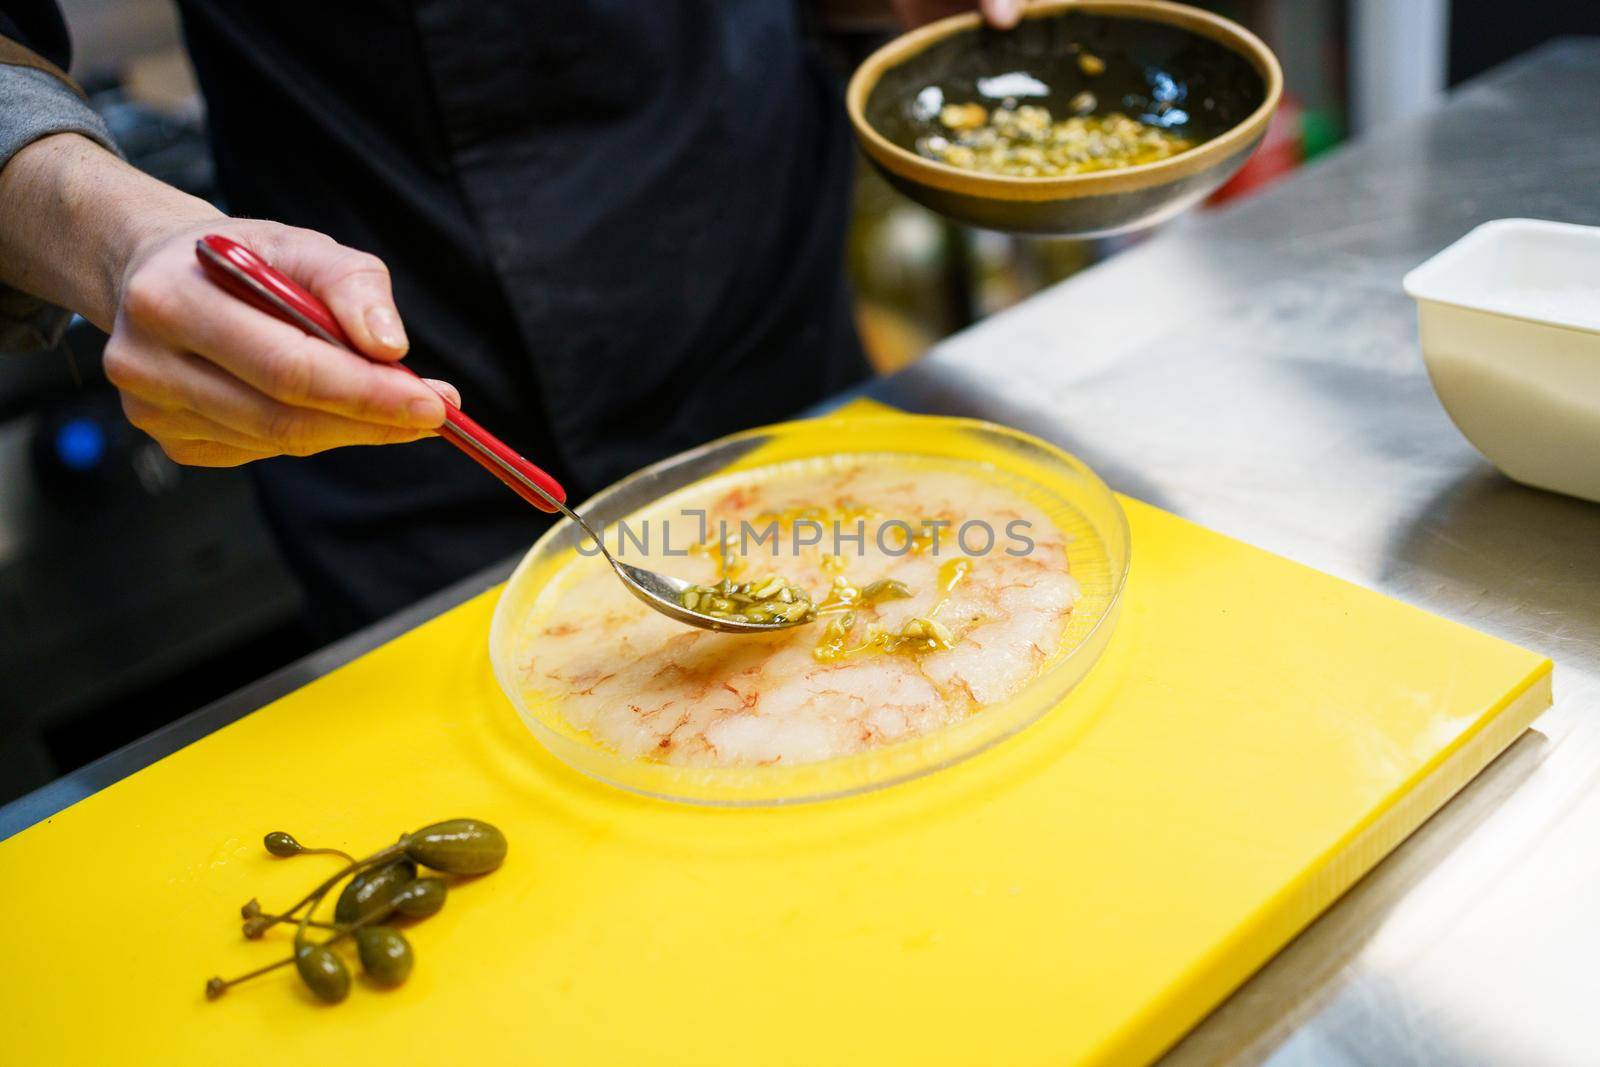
[{"x": 614, "y": 225}]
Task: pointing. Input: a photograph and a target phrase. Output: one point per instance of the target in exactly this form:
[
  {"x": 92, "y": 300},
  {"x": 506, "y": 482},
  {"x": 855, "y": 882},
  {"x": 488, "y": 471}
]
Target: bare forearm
[
  {"x": 73, "y": 217},
  {"x": 214, "y": 381}
]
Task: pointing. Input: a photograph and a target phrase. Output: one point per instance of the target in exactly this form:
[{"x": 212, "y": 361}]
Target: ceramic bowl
[
  {"x": 1509, "y": 320},
  {"x": 1187, "y": 70}
]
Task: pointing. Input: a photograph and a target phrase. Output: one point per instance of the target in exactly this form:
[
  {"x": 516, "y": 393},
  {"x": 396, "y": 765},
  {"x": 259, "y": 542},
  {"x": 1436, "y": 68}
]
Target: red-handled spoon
[{"x": 252, "y": 279}]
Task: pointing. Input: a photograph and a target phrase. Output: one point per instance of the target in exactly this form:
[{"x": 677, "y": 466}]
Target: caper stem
[
  {"x": 218, "y": 986},
  {"x": 352, "y": 867},
  {"x": 314, "y": 922},
  {"x": 328, "y": 852},
  {"x": 300, "y": 928},
  {"x": 311, "y": 909}
]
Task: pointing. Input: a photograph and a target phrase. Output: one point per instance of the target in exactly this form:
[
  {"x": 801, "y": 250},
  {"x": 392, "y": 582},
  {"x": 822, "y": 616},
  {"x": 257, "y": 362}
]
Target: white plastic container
[{"x": 1510, "y": 330}]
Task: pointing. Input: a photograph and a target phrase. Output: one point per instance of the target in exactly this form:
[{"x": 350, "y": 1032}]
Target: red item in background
[{"x": 1280, "y": 151}]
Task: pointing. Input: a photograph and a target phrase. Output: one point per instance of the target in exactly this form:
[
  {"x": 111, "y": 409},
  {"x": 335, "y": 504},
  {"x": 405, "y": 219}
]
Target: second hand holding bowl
[{"x": 252, "y": 279}]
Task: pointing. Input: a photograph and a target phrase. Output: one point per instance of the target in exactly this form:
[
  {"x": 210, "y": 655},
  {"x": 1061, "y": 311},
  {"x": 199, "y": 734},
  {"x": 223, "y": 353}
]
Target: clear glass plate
[{"x": 1066, "y": 490}]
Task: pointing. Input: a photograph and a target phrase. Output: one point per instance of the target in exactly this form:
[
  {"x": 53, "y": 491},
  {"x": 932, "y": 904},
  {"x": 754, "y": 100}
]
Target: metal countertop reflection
[{"x": 1257, "y": 370}]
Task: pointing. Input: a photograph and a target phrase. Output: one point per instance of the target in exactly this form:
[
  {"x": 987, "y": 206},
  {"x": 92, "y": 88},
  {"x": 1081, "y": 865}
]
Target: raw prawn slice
[{"x": 649, "y": 689}]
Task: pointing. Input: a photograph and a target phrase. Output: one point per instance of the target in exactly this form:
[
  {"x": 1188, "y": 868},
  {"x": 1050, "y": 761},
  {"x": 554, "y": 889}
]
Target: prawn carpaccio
[{"x": 985, "y": 612}]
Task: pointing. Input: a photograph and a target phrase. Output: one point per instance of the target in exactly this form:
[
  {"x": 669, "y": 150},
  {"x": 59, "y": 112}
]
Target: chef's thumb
[{"x": 354, "y": 285}]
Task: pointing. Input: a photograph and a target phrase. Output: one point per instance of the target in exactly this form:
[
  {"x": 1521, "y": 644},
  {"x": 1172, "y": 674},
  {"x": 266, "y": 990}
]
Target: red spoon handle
[{"x": 252, "y": 279}]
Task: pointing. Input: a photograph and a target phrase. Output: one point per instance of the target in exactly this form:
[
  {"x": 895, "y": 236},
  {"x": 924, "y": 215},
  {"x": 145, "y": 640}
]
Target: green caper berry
[
  {"x": 323, "y": 973},
  {"x": 281, "y": 844},
  {"x": 458, "y": 846},
  {"x": 755, "y": 600},
  {"x": 422, "y": 898},
  {"x": 885, "y": 589},
  {"x": 372, "y": 892},
  {"x": 385, "y": 954}
]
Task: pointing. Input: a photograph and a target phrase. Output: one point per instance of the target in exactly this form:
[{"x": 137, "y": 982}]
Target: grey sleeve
[{"x": 34, "y": 104}]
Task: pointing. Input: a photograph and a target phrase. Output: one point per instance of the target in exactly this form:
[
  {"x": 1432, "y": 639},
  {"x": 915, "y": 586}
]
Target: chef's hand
[
  {"x": 1001, "y": 14},
  {"x": 216, "y": 382}
]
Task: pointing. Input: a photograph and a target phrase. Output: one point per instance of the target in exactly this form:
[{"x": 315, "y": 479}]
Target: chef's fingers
[
  {"x": 190, "y": 397},
  {"x": 445, "y": 389},
  {"x": 167, "y": 426},
  {"x": 190, "y": 314},
  {"x": 1001, "y": 14},
  {"x": 354, "y": 284},
  {"x": 262, "y": 426},
  {"x": 292, "y": 430},
  {"x": 209, "y": 454}
]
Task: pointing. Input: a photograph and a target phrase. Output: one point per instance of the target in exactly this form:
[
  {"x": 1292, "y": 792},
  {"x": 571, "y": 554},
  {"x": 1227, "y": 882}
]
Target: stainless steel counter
[{"x": 1257, "y": 371}]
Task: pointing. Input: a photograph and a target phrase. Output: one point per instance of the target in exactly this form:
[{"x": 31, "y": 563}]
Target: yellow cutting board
[{"x": 1257, "y": 736}]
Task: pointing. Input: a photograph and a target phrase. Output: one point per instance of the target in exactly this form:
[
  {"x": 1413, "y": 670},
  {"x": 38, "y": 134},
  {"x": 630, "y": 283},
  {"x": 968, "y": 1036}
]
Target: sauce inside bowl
[
  {"x": 940, "y": 590},
  {"x": 1026, "y": 141}
]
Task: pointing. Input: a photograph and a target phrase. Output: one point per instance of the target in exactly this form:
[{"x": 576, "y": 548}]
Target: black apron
[{"x": 615, "y": 226}]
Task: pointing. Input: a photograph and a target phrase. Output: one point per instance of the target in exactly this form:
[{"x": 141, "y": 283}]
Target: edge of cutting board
[{"x": 1218, "y": 975}]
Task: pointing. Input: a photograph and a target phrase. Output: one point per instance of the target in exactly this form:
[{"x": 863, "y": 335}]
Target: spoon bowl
[{"x": 664, "y": 593}]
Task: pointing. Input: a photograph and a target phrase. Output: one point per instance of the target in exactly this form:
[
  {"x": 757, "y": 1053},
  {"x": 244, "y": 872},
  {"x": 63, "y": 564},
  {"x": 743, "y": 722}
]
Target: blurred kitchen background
[{"x": 133, "y": 591}]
